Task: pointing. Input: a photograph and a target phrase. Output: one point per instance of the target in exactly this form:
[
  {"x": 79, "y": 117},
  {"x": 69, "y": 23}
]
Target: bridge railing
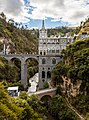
[{"x": 42, "y": 91}]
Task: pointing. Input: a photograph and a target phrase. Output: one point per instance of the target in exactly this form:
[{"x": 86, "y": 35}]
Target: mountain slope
[{"x": 19, "y": 40}]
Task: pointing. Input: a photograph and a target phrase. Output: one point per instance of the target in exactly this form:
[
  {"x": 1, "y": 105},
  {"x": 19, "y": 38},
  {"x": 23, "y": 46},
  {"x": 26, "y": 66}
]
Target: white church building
[{"x": 50, "y": 49}]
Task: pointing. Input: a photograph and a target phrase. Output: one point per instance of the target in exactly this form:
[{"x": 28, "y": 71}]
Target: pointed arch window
[
  {"x": 48, "y": 74},
  {"x": 43, "y": 61},
  {"x": 53, "y": 61},
  {"x": 43, "y": 74}
]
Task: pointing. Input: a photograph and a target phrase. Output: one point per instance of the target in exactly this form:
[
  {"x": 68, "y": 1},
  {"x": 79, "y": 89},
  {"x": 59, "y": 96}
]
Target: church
[{"x": 50, "y": 49}]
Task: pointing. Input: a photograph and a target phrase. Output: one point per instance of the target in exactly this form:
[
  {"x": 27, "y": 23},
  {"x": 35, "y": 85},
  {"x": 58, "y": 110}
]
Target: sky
[{"x": 55, "y": 12}]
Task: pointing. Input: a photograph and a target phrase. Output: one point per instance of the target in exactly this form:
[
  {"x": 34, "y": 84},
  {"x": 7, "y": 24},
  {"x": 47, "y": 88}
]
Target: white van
[{"x": 13, "y": 91}]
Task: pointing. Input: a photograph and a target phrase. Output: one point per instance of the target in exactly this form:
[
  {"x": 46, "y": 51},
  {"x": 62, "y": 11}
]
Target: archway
[
  {"x": 43, "y": 74},
  {"x": 16, "y": 64},
  {"x": 32, "y": 69},
  {"x": 53, "y": 61},
  {"x": 48, "y": 74},
  {"x": 46, "y": 99},
  {"x": 9, "y": 70},
  {"x": 43, "y": 61}
]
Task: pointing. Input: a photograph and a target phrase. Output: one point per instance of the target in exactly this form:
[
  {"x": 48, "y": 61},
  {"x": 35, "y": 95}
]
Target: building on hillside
[
  {"x": 83, "y": 35},
  {"x": 49, "y": 53}
]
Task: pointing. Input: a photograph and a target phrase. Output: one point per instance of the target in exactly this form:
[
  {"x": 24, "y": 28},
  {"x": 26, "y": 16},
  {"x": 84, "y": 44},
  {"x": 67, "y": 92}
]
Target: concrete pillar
[{"x": 23, "y": 73}]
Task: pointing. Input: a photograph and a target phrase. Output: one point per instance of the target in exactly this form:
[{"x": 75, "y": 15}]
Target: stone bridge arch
[
  {"x": 50, "y": 94},
  {"x": 46, "y": 98},
  {"x": 23, "y": 58},
  {"x": 33, "y": 68},
  {"x": 47, "y": 92},
  {"x": 31, "y": 57}
]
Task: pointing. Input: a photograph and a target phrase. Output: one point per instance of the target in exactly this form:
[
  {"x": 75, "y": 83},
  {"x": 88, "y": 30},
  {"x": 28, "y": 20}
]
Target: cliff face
[
  {"x": 85, "y": 27},
  {"x": 84, "y": 31},
  {"x": 73, "y": 72},
  {"x": 18, "y": 38},
  {"x": 69, "y": 88}
]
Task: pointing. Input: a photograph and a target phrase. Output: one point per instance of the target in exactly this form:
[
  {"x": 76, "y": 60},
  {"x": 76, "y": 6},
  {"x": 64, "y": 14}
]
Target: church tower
[
  {"x": 47, "y": 59},
  {"x": 42, "y": 39},
  {"x": 43, "y": 31}
]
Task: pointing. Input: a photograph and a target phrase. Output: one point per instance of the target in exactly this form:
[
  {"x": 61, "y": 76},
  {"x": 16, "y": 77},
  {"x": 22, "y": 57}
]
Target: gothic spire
[{"x": 43, "y": 26}]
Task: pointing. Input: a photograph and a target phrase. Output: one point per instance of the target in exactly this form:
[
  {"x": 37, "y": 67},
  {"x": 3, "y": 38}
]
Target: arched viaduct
[{"x": 23, "y": 58}]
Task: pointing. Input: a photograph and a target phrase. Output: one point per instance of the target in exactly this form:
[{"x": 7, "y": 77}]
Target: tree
[{"x": 59, "y": 110}]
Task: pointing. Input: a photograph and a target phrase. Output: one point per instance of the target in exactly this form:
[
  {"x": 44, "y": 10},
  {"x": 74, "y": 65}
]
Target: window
[
  {"x": 44, "y": 53},
  {"x": 43, "y": 61},
  {"x": 57, "y": 51},
  {"x": 48, "y": 68},
  {"x": 48, "y": 51},
  {"x": 43, "y": 74},
  {"x": 48, "y": 74},
  {"x": 53, "y": 61},
  {"x": 40, "y": 53},
  {"x": 43, "y": 80},
  {"x": 53, "y": 51}
]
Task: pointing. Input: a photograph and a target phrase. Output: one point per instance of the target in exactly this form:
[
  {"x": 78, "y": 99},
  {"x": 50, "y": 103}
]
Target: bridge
[
  {"x": 23, "y": 58},
  {"x": 46, "y": 92}
]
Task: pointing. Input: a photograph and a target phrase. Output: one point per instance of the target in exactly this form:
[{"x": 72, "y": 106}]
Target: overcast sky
[{"x": 56, "y": 12}]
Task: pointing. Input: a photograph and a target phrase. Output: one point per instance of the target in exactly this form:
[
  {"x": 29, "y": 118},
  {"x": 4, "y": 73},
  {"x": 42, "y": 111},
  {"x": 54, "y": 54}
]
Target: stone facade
[{"x": 49, "y": 53}]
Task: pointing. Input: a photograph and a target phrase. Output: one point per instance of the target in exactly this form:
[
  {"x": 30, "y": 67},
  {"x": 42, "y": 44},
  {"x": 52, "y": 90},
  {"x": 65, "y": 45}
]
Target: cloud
[
  {"x": 72, "y": 11},
  {"x": 15, "y": 9}
]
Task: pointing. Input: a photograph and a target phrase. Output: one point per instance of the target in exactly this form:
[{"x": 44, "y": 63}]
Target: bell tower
[{"x": 43, "y": 31}]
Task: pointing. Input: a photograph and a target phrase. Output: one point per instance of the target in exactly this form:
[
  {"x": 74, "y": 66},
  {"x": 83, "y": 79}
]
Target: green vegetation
[
  {"x": 75, "y": 64},
  {"x": 31, "y": 108},
  {"x": 75, "y": 67},
  {"x": 46, "y": 85},
  {"x": 62, "y": 31},
  {"x": 32, "y": 67},
  {"x": 19, "y": 39},
  {"x": 16, "y": 108},
  {"x": 59, "y": 109},
  {"x": 10, "y": 73}
]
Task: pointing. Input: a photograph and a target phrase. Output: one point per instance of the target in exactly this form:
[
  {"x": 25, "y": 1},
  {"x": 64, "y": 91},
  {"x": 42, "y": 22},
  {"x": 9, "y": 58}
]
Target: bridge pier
[{"x": 23, "y": 73}]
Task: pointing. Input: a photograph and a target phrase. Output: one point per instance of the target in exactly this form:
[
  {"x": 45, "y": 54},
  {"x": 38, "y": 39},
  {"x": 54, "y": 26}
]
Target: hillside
[
  {"x": 72, "y": 74},
  {"x": 84, "y": 30},
  {"x": 85, "y": 26},
  {"x": 18, "y": 39},
  {"x": 62, "y": 31}
]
